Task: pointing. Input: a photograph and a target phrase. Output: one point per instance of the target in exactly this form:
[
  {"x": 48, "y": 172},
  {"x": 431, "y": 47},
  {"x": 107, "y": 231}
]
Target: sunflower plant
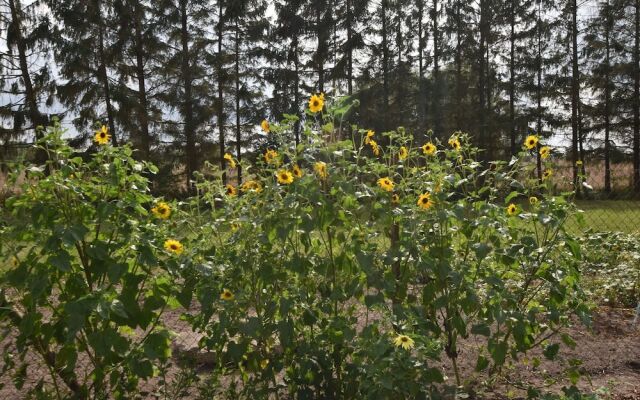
[
  {"x": 358, "y": 265},
  {"x": 92, "y": 272}
]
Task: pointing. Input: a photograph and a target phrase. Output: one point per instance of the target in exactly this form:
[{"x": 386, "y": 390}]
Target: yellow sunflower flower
[
  {"x": 102, "y": 136},
  {"x": 229, "y": 158},
  {"x": 266, "y": 127},
  {"x": 533, "y": 200},
  {"x": 226, "y": 295},
  {"x": 231, "y": 190},
  {"x": 264, "y": 363},
  {"x": 547, "y": 173},
  {"x": 271, "y": 157},
  {"x": 316, "y": 103},
  {"x": 251, "y": 186},
  {"x": 284, "y": 177},
  {"x": 368, "y": 136},
  {"x": 297, "y": 171},
  {"x": 512, "y": 209},
  {"x": 374, "y": 147},
  {"x": 403, "y": 153},
  {"x": 579, "y": 163},
  {"x": 424, "y": 201},
  {"x": 454, "y": 142},
  {"x": 404, "y": 341},
  {"x": 395, "y": 199},
  {"x": 429, "y": 149},
  {"x": 531, "y": 142},
  {"x": 545, "y": 152},
  {"x": 386, "y": 184},
  {"x": 173, "y": 246},
  {"x": 161, "y": 210},
  {"x": 320, "y": 169}
]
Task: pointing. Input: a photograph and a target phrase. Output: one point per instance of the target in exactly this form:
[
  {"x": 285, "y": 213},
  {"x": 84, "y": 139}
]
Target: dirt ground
[{"x": 609, "y": 350}]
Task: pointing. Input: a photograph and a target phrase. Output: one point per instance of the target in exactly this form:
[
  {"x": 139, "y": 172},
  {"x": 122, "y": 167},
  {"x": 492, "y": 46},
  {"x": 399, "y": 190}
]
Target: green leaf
[
  {"x": 551, "y": 351},
  {"x": 61, "y": 260}
]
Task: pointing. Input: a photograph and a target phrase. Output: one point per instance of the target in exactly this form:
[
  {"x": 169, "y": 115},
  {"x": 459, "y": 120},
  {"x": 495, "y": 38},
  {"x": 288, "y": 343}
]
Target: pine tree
[{"x": 27, "y": 88}]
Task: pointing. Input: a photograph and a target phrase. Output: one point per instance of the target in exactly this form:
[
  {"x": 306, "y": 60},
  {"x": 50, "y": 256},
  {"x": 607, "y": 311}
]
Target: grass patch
[{"x": 607, "y": 215}]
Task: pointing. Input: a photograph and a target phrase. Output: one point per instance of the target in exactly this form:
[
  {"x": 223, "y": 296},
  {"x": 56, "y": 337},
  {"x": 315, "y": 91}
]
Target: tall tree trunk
[
  {"x": 36, "y": 117},
  {"x": 296, "y": 88},
  {"x": 421, "y": 84},
  {"x": 512, "y": 78},
  {"x": 458, "y": 62},
  {"x": 481, "y": 76},
  {"x": 636, "y": 100},
  {"x": 143, "y": 116},
  {"x": 221, "y": 116},
  {"x": 103, "y": 76},
  {"x": 349, "y": 49},
  {"x": 191, "y": 161},
  {"x": 437, "y": 117},
  {"x": 539, "y": 87},
  {"x": 320, "y": 50},
  {"x": 385, "y": 62},
  {"x": 607, "y": 101},
  {"x": 237, "y": 71},
  {"x": 575, "y": 92}
]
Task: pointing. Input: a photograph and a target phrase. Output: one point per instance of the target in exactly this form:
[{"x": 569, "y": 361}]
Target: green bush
[{"x": 340, "y": 269}]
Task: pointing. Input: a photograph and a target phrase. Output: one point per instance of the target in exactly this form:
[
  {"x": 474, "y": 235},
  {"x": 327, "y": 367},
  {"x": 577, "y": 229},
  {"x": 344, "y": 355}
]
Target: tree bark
[
  {"x": 575, "y": 92},
  {"x": 437, "y": 117},
  {"x": 607, "y": 101},
  {"x": 385, "y": 61},
  {"x": 143, "y": 116},
  {"x": 237, "y": 71},
  {"x": 221, "y": 119},
  {"x": 191, "y": 161},
  {"x": 636, "y": 100},
  {"x": 512, "y": 78},
  {"x": 103, "y": 76},
  {"x": 37, "y": 118}
]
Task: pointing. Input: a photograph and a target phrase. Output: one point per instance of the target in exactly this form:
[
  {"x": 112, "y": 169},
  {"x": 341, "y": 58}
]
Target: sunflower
[
  {"x": 226, "y": 295},
  {"x": 297, "y": 171},
  {"x": 531, "y": 142},
  {"x": 284, "y": 177},
  {"x": 429, "y": 149},
  {"x": 251, "y": 186},
  {"x": 271, "y": 157},
  {"x": 266, "y": 128},
  {"x": 229, "y": 158},
  {"x": 173, "y": 246},
  {"x": 386, "y": 184},
  {"x": 395, "y": 199},
  {"x": 316, "y": 103},
  {"x": 547, "y": 173},
  {"x": 533, "y": 200},
  {"x": 403, "y": 153},
  {"x": 321, "y": 169},
  {"x": 404, "y": 341},
  {"x": 264, "y": 363},
  {"x": 424, "y": 201},
  {"x": 545, "y": 152},
  {"x": 161, "y": 210},
  {"x": 579, "y": 163},
  {"x": 368, "y": 137},
  {"x": 374, "y": 147},
  {"x": 231, "y": 190},
  {"x": 102, "y": 136},
  {"x": 454, "y": 142},
  {"x": 512, "y": 209}
]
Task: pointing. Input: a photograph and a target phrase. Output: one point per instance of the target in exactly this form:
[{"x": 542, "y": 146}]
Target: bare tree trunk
[
  {"x": 221, "y": 116},
  {"x": 349, "y": 49},
  {"x": 575, "y": 92},
  {"x": 237, "y": 70},
  {"x": 636, "y": 100},
  {"x": 437, "y": 117},
  {"x": 104, "y": 77},
  {"x": 481, "y": 75},
  {"x": 512, "y": 78},
  {"x": 191, "y": 161},
  {"x": 607, "y": 101},
  {"x": 385, "y": 60},
  {"x": 539, "y": 87},
  {"x": 143, "y": 117},
  {"x": 458, "y": 62}
]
